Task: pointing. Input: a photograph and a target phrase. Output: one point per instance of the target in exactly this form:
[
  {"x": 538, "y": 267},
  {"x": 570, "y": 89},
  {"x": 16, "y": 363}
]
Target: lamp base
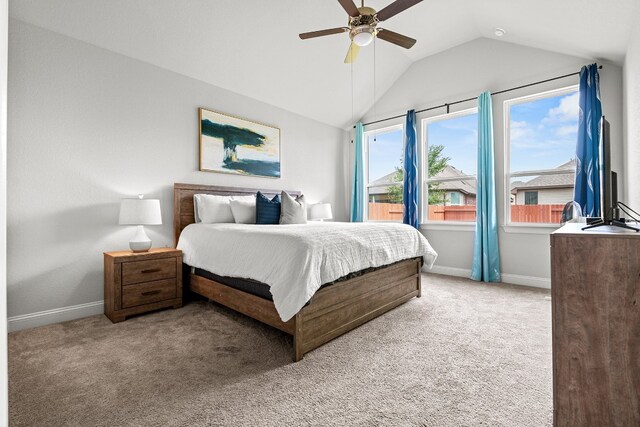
[{"x": 140, "y": 242}]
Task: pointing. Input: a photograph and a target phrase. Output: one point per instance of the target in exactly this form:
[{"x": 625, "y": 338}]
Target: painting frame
[{"x": 238, "y": 146}]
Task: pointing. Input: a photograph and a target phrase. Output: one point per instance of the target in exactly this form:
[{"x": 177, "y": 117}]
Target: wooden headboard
[{"x": 183, "y": 201}]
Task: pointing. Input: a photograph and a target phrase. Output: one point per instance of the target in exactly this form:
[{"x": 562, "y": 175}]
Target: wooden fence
[
  {"x": 537, "y": 213},
  {"x": 519, "y": 213},
  {"x": 452, "y": 213},
  {"x": 385, "y": 211}
]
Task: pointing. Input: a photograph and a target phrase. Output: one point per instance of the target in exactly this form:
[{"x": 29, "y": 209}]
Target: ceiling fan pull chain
[
  {"x": 352, "y": 95},
  {"x": 375, "y": 107}
]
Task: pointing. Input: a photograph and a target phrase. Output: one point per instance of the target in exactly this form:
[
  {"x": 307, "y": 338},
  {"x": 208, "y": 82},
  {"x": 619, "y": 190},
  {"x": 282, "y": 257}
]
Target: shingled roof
[
  {"x": 381, "y": 185},
  {"x": 563, "y": 180}
]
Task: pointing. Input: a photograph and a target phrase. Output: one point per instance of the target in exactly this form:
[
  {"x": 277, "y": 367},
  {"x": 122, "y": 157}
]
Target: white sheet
[{"x": 295, "y": 260}]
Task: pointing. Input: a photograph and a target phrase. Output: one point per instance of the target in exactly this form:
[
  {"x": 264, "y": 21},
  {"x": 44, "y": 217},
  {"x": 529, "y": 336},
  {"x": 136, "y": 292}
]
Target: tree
[
  {"x": 231, "y": 136},
  {"x": 436, "y": 163}
]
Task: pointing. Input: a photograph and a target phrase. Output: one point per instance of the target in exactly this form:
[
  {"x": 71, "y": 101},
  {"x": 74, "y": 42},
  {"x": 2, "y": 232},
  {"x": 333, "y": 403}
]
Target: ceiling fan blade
[
  {"x": 395, "y": 38},
  {"x": 350, "y": 7},
  {"x": 321, "y": 33},
  {"x": 395, "y": 8},
  {"x": 352, "y": 53}
]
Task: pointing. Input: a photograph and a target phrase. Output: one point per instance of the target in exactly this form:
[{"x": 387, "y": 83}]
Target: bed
[{"x": 334, "y": 309}]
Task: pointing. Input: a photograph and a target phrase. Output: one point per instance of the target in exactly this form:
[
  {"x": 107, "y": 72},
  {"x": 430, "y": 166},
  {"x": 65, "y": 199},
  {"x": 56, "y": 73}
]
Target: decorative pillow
[
  {"x": 267, "y": 211},
  {"x": 244, "y": 209},
  {"x": 293, "y": 211},
  {"x": 212, "y": 209}
]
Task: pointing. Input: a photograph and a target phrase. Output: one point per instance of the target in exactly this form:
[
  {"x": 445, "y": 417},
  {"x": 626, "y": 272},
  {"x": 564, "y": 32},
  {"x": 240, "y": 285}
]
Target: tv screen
[{"x": 608, "y": 178}]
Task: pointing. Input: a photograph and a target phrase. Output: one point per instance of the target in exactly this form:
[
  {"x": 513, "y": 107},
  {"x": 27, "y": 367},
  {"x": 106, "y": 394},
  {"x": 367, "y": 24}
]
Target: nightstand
[{"x": 136, "y": 283}]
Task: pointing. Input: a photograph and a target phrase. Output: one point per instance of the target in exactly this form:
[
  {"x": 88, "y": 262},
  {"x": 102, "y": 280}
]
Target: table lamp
[
  {"x": 320, "y": 211},
  {"x": 140, "y": 212}
]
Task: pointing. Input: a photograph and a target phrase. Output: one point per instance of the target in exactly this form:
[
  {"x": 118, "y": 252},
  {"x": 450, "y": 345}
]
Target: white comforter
[{"x": 295, "y": 260}]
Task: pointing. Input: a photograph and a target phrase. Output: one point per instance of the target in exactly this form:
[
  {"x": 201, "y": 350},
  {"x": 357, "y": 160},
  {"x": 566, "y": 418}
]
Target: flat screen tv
[
  {"x": 608, "y": 179},
  {"x": 609, "y": 206}
]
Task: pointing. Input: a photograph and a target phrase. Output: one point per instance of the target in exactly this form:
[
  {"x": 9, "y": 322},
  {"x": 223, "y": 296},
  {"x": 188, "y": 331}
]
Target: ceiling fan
[{"x": 363, "y": 29}]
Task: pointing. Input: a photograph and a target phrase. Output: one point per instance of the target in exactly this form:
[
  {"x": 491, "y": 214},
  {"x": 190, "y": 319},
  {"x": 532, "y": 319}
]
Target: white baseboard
[
  {"x": 41, "y": 318},
  {"x": 535, "y": 282},
  {"x": 514, "y": 279},
  {"x": 450, "y": 271},
  {"x": 57, "y": 315}
]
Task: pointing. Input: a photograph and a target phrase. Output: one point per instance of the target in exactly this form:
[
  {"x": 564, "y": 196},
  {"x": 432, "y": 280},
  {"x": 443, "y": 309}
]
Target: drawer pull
[
  {"x": 146, "y": 294},
  {"x": 150, "y": 270}
]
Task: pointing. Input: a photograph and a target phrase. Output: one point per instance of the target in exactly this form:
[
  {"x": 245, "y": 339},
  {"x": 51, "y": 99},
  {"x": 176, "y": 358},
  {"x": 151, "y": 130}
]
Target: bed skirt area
[
  {"x": 335, "y": 309},
  {"x": 260, "y": 289}
]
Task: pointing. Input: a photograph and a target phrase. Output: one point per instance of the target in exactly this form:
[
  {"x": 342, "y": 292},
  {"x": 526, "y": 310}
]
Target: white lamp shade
[
  {"x": 320, "y": 211},
  {"x": 140, "y": 212}
]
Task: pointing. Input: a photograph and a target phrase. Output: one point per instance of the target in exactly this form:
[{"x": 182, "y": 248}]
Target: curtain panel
[
  {"x": 357, "y": 192},
  {"x": 486, "y": 255},
  {"x": 410, "y": 185},
  {"x": 587, "y": 183}
]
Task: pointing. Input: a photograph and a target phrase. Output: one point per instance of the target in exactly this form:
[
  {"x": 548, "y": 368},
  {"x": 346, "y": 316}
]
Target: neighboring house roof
[
  {"x": 381, "y": 185},
  {"x": 565, "y": 180},
  {"x": 461, "y": 185}
]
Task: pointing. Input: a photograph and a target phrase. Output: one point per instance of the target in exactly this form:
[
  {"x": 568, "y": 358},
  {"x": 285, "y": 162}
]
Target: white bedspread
[{"x": 295, "y": 260}]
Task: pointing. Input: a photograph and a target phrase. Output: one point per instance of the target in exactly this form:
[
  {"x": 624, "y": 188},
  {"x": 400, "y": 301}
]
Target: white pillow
[
  {"x": 244, "y": 209},
  {"x": 212, "y": 209}
]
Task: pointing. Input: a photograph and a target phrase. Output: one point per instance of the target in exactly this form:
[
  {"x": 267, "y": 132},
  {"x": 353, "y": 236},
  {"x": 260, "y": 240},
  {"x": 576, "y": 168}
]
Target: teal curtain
[
  {"x": 486, "y": 257},
  {"x": 410, "y": 185},
  {"x": 587, "y": 184},
  {"x": 357, "y": 194}
]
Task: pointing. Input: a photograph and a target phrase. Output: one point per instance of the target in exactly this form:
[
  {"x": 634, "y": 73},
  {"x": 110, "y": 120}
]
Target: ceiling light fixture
[
  {"x": 362, "y": 35},
  {"x": 499, "y": 32}
]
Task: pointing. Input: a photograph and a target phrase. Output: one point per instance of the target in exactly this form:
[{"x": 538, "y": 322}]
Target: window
[
  {"x": 530, "y": 197},
  {"x": 384, "y": 175},
  {"x": 450, "y": 143},
  {"x": 540, "y": 142}
]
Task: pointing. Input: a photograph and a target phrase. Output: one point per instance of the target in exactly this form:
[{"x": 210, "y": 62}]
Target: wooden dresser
[
  {"x": 595, "y": 281},
  {"x": 136, "y": 283}
]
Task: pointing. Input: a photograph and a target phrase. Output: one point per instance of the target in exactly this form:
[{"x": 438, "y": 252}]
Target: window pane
[
  {"x": 452, "y": 200},
  {"x": 540, "y": 199},
  {"x": 543, "y": 133},
  {"x": 451, "y": 158},
  {"x": 385, "y": 154},
  {"x": 453, "y": 142},
  {"x": 384, "y": 189},
  {"x": 530, "y": 197}
]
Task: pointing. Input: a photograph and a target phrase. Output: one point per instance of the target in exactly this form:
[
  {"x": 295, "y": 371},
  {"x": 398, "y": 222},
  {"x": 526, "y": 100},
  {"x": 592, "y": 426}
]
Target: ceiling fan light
[{"x": 362, "y": 35}]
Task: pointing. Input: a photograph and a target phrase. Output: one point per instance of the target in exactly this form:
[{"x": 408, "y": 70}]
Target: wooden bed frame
[{"x": 333, "y": 310}]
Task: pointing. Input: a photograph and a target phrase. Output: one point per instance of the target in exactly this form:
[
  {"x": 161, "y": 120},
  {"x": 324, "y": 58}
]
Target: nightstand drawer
[
  {"x": 146, "y": 293},
  {"x": 146, "y": 271}
]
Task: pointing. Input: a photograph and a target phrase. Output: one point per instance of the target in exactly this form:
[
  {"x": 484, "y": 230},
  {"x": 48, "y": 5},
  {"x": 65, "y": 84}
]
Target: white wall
[
  {"x": 490, "y": 65},
  {"x": 632, "y": 119},
  {"x": 88, "y": 127},
  {"x": 4, "y": 16}
]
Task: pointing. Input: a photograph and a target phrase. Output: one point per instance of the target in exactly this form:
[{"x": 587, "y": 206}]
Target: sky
[
  {"x": 543, "y": 136},
  {"x": 544, "y": 133},
  {"x": 385, "y": 152}
]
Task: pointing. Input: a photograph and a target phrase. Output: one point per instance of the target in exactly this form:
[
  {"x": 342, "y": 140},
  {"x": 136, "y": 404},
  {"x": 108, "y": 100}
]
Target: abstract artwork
[{"x": 233, "y": 145}]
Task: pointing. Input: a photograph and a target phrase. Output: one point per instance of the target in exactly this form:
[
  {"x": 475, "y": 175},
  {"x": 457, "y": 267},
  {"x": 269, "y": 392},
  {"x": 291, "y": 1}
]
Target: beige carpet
[{"x": 463, "y": 354}]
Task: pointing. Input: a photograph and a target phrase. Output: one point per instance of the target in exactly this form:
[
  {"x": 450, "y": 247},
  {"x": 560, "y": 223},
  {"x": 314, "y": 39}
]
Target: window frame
[
  {"x": 424, "y": 170},
  {"x": 508, "y": 175},
  {"x": 365, "y": 147}
]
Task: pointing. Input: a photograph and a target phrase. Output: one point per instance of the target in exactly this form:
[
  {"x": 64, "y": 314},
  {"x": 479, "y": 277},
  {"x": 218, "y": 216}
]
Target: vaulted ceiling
[{"x": 251, "y": 46}]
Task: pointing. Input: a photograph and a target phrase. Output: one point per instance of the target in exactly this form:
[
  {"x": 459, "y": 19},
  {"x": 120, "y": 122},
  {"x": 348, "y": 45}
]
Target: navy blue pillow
[{"x": 267, "y": 211}]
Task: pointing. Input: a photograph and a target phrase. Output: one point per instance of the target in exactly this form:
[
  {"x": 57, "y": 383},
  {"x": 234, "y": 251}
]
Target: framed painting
[{"x": 232, "y": 145}]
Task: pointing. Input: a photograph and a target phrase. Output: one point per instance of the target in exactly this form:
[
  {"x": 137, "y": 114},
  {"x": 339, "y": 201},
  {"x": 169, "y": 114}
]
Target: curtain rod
[{"x": 448, "y": 104}]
